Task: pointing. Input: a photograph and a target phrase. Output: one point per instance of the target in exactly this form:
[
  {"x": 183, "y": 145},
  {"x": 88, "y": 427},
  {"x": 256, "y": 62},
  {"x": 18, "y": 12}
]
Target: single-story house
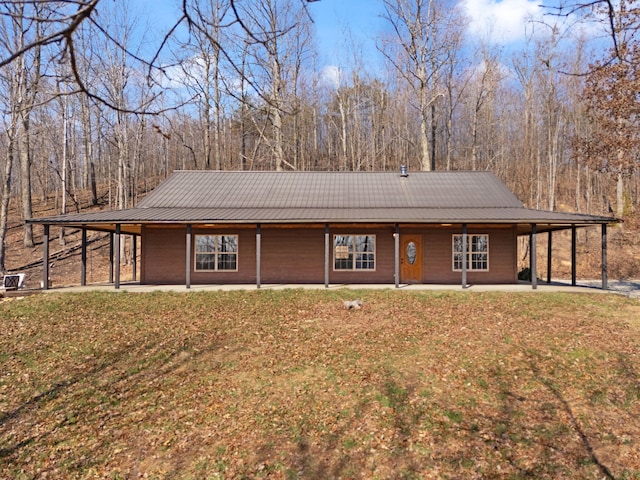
[{"x": 249, "y": 227}]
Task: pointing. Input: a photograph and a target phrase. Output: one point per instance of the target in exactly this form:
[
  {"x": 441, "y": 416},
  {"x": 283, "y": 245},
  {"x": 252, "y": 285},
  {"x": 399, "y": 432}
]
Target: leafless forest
[{"x": 95, "y": 100}]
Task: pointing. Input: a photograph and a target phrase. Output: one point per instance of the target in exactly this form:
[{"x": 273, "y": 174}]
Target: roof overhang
[{"x": 131, "y": 221}]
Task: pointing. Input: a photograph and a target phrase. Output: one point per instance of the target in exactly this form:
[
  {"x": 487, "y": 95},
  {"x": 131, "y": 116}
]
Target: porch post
[
  {"x": 188, "y": 259},
  {"x": 464, "y": 255},
  {"x": 532, "y": 253},
  {"x": 573, "y": 255},
  {"x": 116, "y": 248},
  {"x": 45, "y": 258},
  {"x": 134, "y": 265},
  {"x": 549, "y": 248},
  {"x": 83, "y": 258},
  {"x": 605, "y": 266},
  {"x": 110, "y": 257},
  {"x": 327, "y": 255},
  {"x": 258, "y": 253},
  {"x": 396, "y": 260}
]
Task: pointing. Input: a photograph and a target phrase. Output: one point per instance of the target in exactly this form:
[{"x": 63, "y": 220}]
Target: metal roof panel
[
  {"x": 324, "y": 197},
  {"x": 214, "y": 189}
]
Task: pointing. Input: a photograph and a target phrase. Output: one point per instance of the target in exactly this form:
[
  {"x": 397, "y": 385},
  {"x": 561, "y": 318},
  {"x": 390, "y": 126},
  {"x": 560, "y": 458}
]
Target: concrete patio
[{"x": 542, "y": 287}]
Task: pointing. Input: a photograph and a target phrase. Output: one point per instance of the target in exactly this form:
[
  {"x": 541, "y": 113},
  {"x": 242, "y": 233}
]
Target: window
[
  {"x": 216, "y": 252},
  {"x": 477, "y": 252},
  {"x": 354, "y": 252}
]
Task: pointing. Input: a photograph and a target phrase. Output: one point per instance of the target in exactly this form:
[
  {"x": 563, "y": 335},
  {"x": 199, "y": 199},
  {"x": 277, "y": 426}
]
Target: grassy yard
[{"x": 290, "y": 384}]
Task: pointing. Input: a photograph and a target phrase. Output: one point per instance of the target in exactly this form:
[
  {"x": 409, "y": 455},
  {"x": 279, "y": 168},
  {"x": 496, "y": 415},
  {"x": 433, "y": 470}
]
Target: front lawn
[{"x": 290, "y": 384}]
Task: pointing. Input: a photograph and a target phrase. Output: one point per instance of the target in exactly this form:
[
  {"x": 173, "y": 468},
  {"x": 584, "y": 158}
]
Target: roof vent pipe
[{"x": 403, "y": 171}]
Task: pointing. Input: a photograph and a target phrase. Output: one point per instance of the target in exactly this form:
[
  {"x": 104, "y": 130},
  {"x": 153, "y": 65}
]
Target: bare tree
[
  {"x": 64, "y": 19},
  {"x": 21, "y": 81},
  {"x": 203, "y": 73},
  {"x": 482, "y": 92},
  {"x": 124, "y": 87},
  {"x": 276, "y": 27},
  {"x": 420, "y": 47}
]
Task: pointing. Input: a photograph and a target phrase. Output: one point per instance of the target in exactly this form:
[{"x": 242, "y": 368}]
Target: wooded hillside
[{"x": 95, "y": 102}]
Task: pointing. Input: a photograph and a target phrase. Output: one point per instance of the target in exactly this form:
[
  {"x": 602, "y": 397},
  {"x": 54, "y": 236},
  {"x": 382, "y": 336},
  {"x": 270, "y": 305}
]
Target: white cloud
[
  {"x": 331, "y": 75},
  {"x": 501, "y": 21},
  {"x": 192, "y": 73},
  {"x": 497, "y": 70}
]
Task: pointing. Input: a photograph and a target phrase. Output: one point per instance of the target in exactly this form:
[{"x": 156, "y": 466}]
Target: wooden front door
[{"x": 411, "y": 258}]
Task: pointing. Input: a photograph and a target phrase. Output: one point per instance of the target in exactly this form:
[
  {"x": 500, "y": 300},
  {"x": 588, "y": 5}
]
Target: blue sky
[
  {"x": 344, "y": 25},
  {"x": 334, "y": 19},
  {"x": 505, "y": 19}
]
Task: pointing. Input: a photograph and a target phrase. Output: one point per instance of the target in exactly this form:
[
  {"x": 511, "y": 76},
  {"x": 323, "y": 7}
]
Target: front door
[{"x": 411, "y": 258}]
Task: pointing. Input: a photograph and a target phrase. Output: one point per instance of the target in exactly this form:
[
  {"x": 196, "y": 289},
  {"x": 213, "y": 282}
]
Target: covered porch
[{"x": 531, "y": 231}]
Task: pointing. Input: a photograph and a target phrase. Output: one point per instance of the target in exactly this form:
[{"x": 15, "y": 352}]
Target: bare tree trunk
[
  {"x": 4, "y": 206},
  {"x": 63, "y": 169},
  {"x": 425, "y": 159},
  {"x": 620, "y": 195},
  {"x": 474, "y": 139},
  {"x": 276, "y": 107},
  {"x": 123, "y": 165},
  {"x": 217, "y": 157},
  {"x": 278, "y": 139},
  {"x": 25, "y": 180},
  {"x": 343, "y": 134},
  {"x": 28, "y": 80},
  {"x": 87, "y": 138}
]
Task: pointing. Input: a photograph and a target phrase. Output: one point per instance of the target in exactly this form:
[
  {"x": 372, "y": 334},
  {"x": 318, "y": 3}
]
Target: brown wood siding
[
  {"x": 296, "y": 255},
  {"x": 163, "y": 255},
  {"x": 292, "y": 255}
]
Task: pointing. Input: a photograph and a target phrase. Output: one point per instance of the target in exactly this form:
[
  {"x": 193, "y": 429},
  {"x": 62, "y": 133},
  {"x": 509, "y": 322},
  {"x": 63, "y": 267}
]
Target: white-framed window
[
  {"x": 354, "y": 252},
  {"x": 216, "y": 253},
  {"x": 477, "y": 252}
]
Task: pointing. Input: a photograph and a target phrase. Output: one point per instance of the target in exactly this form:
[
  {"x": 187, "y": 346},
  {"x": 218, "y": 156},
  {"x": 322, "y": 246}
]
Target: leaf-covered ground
[{"x": 290, "y": 384}]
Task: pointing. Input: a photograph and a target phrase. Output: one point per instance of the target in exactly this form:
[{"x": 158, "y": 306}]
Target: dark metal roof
[
  {"x": 325, "y": 197},
  {"x": 339, "y": 190}
]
